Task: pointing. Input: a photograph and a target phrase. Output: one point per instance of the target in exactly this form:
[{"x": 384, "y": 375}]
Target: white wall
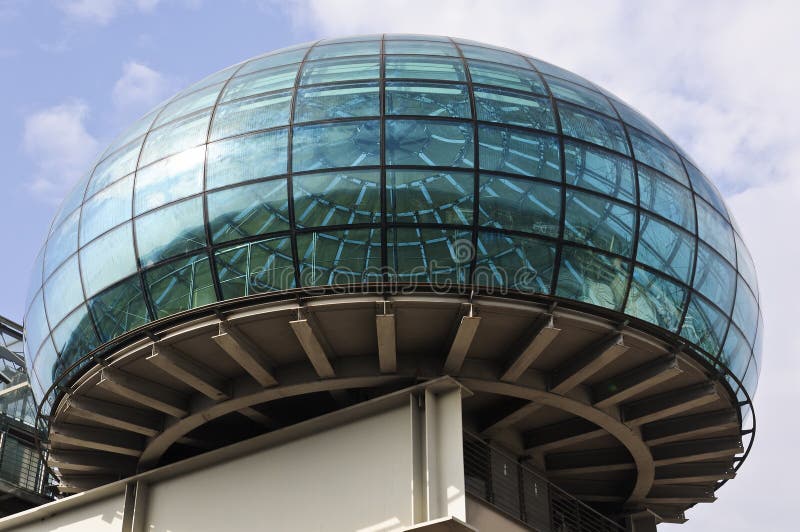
[{"x": 100, "y": 516}]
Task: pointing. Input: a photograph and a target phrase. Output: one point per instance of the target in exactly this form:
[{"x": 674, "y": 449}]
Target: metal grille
[
  {"x": 20, "y": 464},
  {"x": 519, "y": 492}
]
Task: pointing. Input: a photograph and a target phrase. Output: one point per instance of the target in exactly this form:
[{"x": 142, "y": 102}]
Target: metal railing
[{"x": 518, "y": 491}]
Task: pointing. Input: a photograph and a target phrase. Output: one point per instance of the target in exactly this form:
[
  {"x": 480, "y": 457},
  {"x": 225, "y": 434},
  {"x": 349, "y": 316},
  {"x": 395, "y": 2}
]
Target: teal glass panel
[
  {"x": 251, "y": 114},
  {"x": 175, "y": 137},
  {"x": 411, "y": 47},
  {"x": 61, "y": 244},
  {"x": 520, "y": 205},
  {"x": 63, "y": 292},
  {"x": 108, "y": 259},
  {"x": 350, "y": 256},
  {"x": 155, "y": 244},
  {"x": 514, "y": 262},
  {"x": 715, "y": 278},
  {"x": 169, "y": 180},
  {"x": 44, "y": 363},
  {"x": 337, "y": 101},
  {"x": 336, "y": 145},
  {"x": 713, "y": 228},
  {"x": 598, "y": 222},
  {"x": 75, "y": 337},
  {"x": 495, "y": 55},
  {"x": 656, "y": 299},
  {"x": 287, "y": 56},
  {"x": 508, "y": 77},
  {"x": 245, "y": 158},
  {"x": 260, "y": 82},
  {"x": 577, "y": 94},
  {"x": 180, "y": 285},
  {"x": 705, "y": 188},
  {"x": 592, "y": 277},
  {"x": 119, "y": 309},
  {"x": 736, "y": 352},
  {"x": 662, "y": 158},
  {"x": 416, "y": 67},
  {"x": 430, "y": 143},
  {"x": 107, "y": 209},
  {"x": 634, "y": 118},
  {"x": 704, "y": 325},
  {"x": 255, "y": 267},
  {"x": 248, "y": 210},
  {"x": 745, "y": 264},
  {"x": 117, "y": 165},
  {"x": 417, "y": 196},
  {"x": 337, "y": 198},
  {"x": 745, "y": 311},
  {"x": 344, "y": 69},
  {"x": 427, "y": 99},
  {"x": 189, "y": 104},
  {"x": 592, "y": 127},
  {"x": 438, "y": 256},
  {"x": 666, "y": 198},
  {"x": 514, "y": 109},
  {"x": 666, "y": 248},
  {"x": 327, "y": 51},
  {"x": 36, "y": 327},
  {"x": 599, "y": 170},
  {"x": 552, "y": 70},
  {"x": 519, "y": 152}
]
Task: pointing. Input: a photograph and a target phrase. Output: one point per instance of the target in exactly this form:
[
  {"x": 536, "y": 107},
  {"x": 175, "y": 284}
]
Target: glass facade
[{"x": 403, "y": 158}]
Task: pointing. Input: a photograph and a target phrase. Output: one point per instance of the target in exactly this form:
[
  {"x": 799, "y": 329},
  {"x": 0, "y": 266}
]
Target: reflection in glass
[
  {"x": 331, "y": 70},
  {"x": 62, "y": 243},
  {"x": 180, "y": 285},
  {"x": 63, "y": 292},
  {"x": 714, "y": 278},
  {"x": 339, "y": 257},
  {"x": 248, "y": 210},
  {"x": 106, "y": 210},
  {"x": 429, "y": 143},
  {"x": 334, "y": 198},
  {"x": 519, "y": 263},
  {"x": 713, "y": 228},
  {"x": 594, "y": 169},
  {"x": 592, "y": 127},
  {"x": 574, "y": 93},
  {"x": 155, "y": 245},
  {"x": 417, "y": 196},
  {"x": 245, "y": 158},
  {"x": 705, "y": 188},
  {"x": 659, "y": 156},
  {"x": 251, "y": 114},
  {"x": 736, "y": 352},
  {"x": 665, "y": 247},
  {"x": 337, "y": 101},
  {"x": 666, "y": 198},
  {"x": 438, "y": 256},
  {"x": 260, "y": 82},
  {"x": 108, "y": 259},
  {"x": 411, "y": 47},
  {"x": 600, "y": 223},
  {"x": 115, "y": 166},
  {"x": 188, "y": 104},
  {"x": 326, "y": 51},
  {"x": 255, "y": 267},
  {"x": 494, "y": 54},
  {"x": 427, "y": 99},
  {"x": 174, "y": 137},
  {"x": 515, "y": 109},
  {"x": 704, "y": 325},
  {"x": 119, "y": 309},
  {"x": 520, "y": 205},
  {"x": 295, "y": 54},
  {"x": 592, "y": 277},
  {"x": 169, "y": 180},
  {"x": 505, "y": 76},
  {"x": 336, "y": 145},
  {"x": 655, "y": 299},
  {"x": 398, "y": 67},
  {"x": 74, "y": 337},
  {"x": 745, "y": 311},
  {"x": 519, "y": 152}
]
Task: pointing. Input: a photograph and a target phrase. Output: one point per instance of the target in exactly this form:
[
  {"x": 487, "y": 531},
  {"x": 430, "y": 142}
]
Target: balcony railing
[{"x": 20, "y": 465}]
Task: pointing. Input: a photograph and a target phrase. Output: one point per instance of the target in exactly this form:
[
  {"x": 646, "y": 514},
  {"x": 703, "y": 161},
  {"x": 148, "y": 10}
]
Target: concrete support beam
[
  {"x": 706, "y": 472},
  {"x": 461, "y": 344},
  {"x": 257, "y": 417},
  {"x": 387, "y": 342},
  {"x": 588, "y": 462},
  {"x": 557, "y": 435},
  {"x": 189, "y": 371},
  {"x": 245, "y": 353},
  {"x": 680, "y": 495},
  {"x": 582, "y": 366},
  {"x": 109, "y": 440},
  {"x": 90, "y": 461},
  {"x": 144, "y": 392},
  {"x": 698, "y": 450},
  {"x": 312, "y": 345},
  {"x": 542, "y": 334},
  {"x": 134, "y": 515},
  {"x": 622, "y": 387},
  {"x": 668, "y": 404},
  {"x": 689, "y": 427},
  {"x": 509, "y": 419},
  {"x": 81, "y": 483},
  {"x": 146, "y": 423}
]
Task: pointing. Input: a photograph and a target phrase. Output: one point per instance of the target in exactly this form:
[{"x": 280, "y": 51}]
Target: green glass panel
[
  {"x": 418, "y": 196},
  {"x": 169, "y": 180},
  {"x": 344, "y": 49},
  {"x": 117, "y": 165},
  {"x": 665, "y": 247},
  {"x": 656, "y": 299},
  {"x": 344, "y": 69},
  {"x": 427, "y": 99},
  {"x": 119, "y": 309},
  {"x": 260, "y": 82},
  {"x": 75, "y": 337},
  {"x": 599, "y": 170},
  {"x": 107, "y": 209},
  {"x": 337, "y": 101},
  {"x": 336, "y": 145},
  {"x": 598, "y": 222},
  {"x": 44, "y": 363},
  {"x": 506, "y": 76},
  {"x": 520, "y": 205},
  {"x": 429, "y": 143},
  {"x": 514, "y": 262},
  {"x": 63, "y": 292},
  {"x": 514, "y": 109},
  {"x": 246, "y": 158},
  {"x": 188, "y": 104},
  {"x": 661, "y": 157},
  {"x": 715, "y": 278},
  {"x": 592, "y": 127},
  {"x": 251, "y": 114},
  {"x": 577, "y": 94},
  {"x": 175, "y": 137},
  {"x": 736, "y": 352},
  {"x": 350, "y": 256},
  {"x": 337, "y": 198},
  {"x": 665, "y": 197},
  {"x": 256, "y": 267},
  {"x": 704, "y": 325},
  {"x": 745, "y": 311},
  {"x": 715, "y": 230},
  {"x": 411, "y": 47},
  {"x": 493, "y": 54},
  {"x": 416, "y": 67},
  {"x": 108, "y": 259},
  {"x": 519, "y": 152},
  {"x": 248, "y": 210},
  {"x": 154, "y": 244},
  {"x": 180, "y": 285},
  {"x": 438, "y": 256},
  {"x": 592, "y": 277}
]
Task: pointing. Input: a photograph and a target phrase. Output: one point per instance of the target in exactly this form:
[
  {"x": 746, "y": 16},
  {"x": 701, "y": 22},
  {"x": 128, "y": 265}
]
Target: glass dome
[{"x": 414, "y": 159}]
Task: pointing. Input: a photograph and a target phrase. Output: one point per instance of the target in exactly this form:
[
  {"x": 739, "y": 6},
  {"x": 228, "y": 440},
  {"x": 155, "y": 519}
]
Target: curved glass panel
[
  {"x": 418, "y": 196},
  {"x": 411, "y": 67},
  {"x": 664, "y": 197},
  {"x": 510, "y": 108},
  {"x": 106, "y": 210},
  {"x": 246, "y": 158},
  {"x": 337, "y": 198},
  {"x": 153, "y": 245},
  {"x": 505, "y": 76},
  {"x": 577, "y": 94},
  {"x": 519, "y": 152},
  {"x": 666, "y": 248},
  {"x": 256, "y": 267},
  {"x": 592, "y": 277},
  {"x": 713, "y": 228},
  {"x": 336, "y": 145},
  {"x": 257, "y": 209},
  {"x": 429, "y": 143},
  {"x": 337, "y": 101},
  {"x": 592, "y": 127},
  {"x": 595, "y": 221},
  {"x": 519, "y": 263},
  {"x": 251, "y": 114},
  {"x": 659, "y": 156},
  {"x": 656, "y": 299},
  {"x": 427, "y": 99},
  {"x": 520, "y": 205},
  {"x": 598, "y": 170},
  {"x": 715, "y": 278},
  {"x": 704, "y": 325}
]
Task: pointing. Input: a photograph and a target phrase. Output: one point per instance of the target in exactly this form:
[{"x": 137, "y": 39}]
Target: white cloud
[
  {"x": 139, "y": 87},
  {"x": 102, "y": 11},
  {"x": 57, "y": 140}
]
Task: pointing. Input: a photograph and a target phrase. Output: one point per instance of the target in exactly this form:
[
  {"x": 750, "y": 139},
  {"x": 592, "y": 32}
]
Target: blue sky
[{"x": 720, "y": 77}]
